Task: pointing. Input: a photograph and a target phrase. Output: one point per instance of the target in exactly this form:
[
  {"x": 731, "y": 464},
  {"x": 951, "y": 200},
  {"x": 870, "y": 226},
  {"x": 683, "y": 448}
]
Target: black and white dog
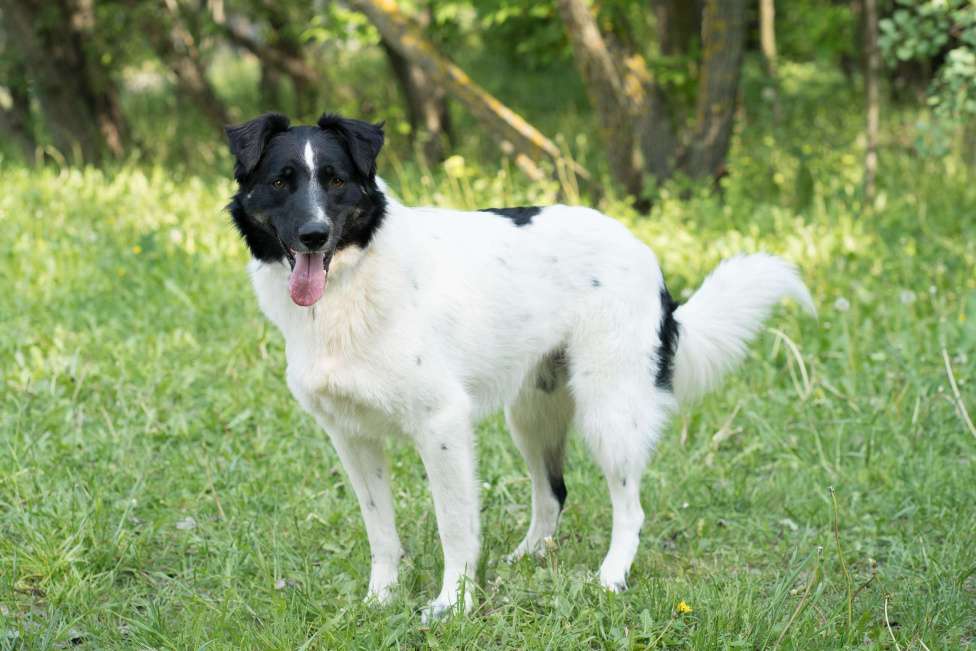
[{"x": 417, "y": 322}]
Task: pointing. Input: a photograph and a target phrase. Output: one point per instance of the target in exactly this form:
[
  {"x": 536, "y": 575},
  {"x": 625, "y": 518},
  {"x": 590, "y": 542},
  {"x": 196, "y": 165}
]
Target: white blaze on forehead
[
  {"x": 313, "y": 195},
  {"x": 310, "y": 158}
]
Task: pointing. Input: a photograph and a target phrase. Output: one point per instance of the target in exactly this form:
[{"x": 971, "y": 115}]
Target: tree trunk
[
  {"x": 177, "y": 48},
  {"x": 635, "y": 110},
  {"x": 767, "y": 34},
  {"x": 78, "y": 98},
  {"x": 15, "y": 121},
  {"x": 426, "y": 105},
  {"x": 409, "y": 41},
  {"x": 723, "y": 41},
  {"x": 678, "y": 25},
  {"x": 767, "y": 42},
  {"x": 605, "y": 86},
  {"x": 872, "y": 73}
]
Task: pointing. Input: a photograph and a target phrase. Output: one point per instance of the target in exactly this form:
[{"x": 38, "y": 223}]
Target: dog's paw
[
  {"x": 435, "y": 610},
  {"x": 443, "y": 607},
  {"x": 614, "y": 586},
  {"x": 379, "y": 596},
  {"x": 613, "y": 579},
  {"x": 518, "y": 554},
  {"x": 382, "y": 583},
  {"x": 537, "y": 548}
]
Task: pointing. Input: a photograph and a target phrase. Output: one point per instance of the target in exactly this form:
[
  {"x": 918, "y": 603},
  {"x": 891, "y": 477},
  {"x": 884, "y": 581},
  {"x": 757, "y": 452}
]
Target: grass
[{"x": 159, "y": 488}]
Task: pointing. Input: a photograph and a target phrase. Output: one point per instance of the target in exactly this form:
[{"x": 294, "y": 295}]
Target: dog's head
[{"x": 306, "y": 192}]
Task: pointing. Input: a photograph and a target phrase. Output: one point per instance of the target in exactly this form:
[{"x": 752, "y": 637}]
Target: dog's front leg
[
  {"x": 446, "y": 446},
  {"x": 366, "y": 466}
]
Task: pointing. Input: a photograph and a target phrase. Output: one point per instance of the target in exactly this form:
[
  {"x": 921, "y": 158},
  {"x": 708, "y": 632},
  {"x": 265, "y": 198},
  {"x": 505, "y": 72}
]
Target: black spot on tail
[
  {"x": 668, "y": 333},
  {"x": 558, "y": 487},
  {"x": 520, "y": 216}
]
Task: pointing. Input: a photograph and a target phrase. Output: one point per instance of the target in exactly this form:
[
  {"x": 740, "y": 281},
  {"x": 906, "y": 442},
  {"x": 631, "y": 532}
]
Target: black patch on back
[
  {"x": 558, "y": 487},
  {"x": 520, "y": 216},
  {"x": 668, "y": 333}
]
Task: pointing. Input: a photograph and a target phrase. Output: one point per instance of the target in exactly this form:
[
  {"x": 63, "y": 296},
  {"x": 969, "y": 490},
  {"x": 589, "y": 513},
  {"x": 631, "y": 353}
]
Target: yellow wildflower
[
  {"x": 684, "y": 608},
  {"x": 137, "y": 249}
]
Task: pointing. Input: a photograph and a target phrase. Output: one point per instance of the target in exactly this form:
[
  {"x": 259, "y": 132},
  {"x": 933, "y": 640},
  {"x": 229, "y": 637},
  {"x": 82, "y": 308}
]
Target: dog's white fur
[{"x": 446, "y": 316}]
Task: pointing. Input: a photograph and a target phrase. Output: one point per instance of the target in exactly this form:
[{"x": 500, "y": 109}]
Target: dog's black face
[{"x": 306, "y": 192}]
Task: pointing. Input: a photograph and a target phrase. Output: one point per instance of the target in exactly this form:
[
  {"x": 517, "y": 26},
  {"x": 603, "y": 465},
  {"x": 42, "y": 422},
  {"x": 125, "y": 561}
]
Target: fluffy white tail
[{"x": 722, "y": 317}]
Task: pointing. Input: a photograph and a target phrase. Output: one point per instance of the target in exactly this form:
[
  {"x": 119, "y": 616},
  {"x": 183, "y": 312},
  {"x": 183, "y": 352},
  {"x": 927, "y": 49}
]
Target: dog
[{"x": 417, "y": 322}]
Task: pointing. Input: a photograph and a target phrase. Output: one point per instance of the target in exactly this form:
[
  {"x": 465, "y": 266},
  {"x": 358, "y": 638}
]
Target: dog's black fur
[
  {"x": 668, "y": 332},
  {"x": 274, "y": 188},
  {"x": 520, "y": 216}
]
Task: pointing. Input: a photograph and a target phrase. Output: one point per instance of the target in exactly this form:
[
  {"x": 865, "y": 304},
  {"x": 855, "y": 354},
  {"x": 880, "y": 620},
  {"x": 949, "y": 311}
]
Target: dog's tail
[{"x": 723, "y": 316}]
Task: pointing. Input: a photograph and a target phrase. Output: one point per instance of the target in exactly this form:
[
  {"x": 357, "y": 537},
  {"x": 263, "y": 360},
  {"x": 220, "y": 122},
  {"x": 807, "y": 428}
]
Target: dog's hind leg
[
  {"x": 365, "y": 464},
  {"x": 539, "y": 421},
  {"x": 620, "y": 414}
]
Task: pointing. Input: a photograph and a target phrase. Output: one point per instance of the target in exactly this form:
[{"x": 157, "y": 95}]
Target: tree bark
[
  {"x": 605, "y": 87},
  {"x": 426, "y": 105},
  {"x": 872, "y": 73},
  {"x": 78, "y": 98},
  {"x": 723, "y": 41},
  {"x": 409, "y": 41},
  {"x": 678, "y": 25}
]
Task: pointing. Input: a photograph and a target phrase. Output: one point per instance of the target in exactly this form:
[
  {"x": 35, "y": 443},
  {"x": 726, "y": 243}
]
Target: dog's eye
[
  {"x": 277, "y": 184},
  {"x": 336, "y": 182}
]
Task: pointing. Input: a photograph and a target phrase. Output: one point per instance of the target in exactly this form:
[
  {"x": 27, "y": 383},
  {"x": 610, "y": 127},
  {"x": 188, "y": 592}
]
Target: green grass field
[{"x": 159, "y": 487}]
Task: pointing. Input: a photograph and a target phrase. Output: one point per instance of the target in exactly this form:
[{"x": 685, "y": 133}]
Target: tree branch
[
  {"x": 409, "y": 41},
  {"x": 294, "y": 66}
]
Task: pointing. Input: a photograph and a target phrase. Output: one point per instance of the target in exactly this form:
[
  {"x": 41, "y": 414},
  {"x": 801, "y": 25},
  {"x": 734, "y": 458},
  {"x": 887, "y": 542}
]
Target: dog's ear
[
  {"x": 362, "y": 140},
  {"x": 247, "y": 141}
]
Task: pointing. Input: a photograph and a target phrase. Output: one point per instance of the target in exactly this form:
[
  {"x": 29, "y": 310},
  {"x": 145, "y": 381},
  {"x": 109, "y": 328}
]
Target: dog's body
[{"x": 440, "y": 317}]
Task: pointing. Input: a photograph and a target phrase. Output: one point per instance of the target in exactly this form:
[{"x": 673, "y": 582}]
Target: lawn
[{"x": 159, "y": 487}]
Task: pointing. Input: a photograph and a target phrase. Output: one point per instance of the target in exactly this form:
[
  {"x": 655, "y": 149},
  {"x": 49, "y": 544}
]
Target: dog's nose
[{"x": 314, "y": 235}]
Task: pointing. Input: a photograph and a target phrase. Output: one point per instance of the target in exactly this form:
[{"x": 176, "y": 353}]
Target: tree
[
  {"x": 77, "y": 95},
  {"x": 16, "y": 123},
  {"x": 940, "y": 36},
  {"x": 279, "y": 56},
  {"x": 408, "y": 40},
  {"x": 177, "y": 47},
  {"x": 643, "y": 127}
]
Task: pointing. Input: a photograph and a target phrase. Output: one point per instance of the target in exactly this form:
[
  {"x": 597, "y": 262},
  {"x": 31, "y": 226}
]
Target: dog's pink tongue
[{"x": 307, "y": 281}]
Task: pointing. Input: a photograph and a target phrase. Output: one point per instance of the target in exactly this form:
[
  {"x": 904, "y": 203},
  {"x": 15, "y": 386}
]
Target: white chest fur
[{"x": 331, "y": 347}]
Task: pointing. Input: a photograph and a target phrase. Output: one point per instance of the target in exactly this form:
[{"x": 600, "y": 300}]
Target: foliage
[
  {"x": 934, "y": 29},
  {"x": 813, "y": 30},
  {"x": 160, "y": 488}
]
